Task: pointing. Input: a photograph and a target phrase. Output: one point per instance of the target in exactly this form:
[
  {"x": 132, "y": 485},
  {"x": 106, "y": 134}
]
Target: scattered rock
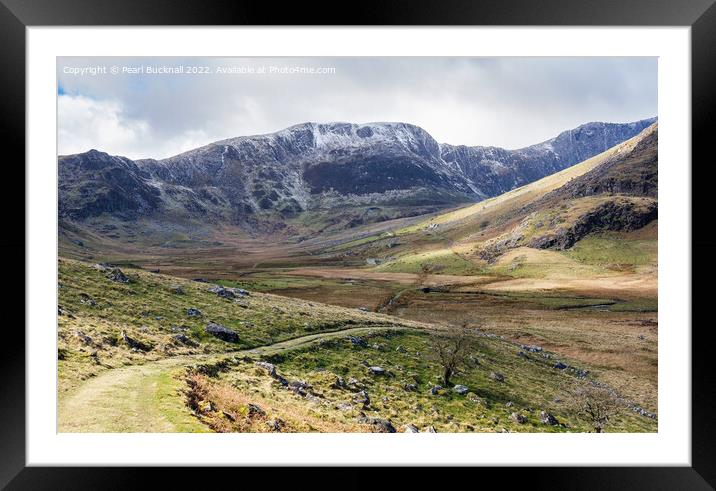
[
  {"x": 410, "y": 387},
  {"x": 134, "y": 343},
  {"x": 185, "y": 340},
  {"x": 362, "y": 398},
  {"x": 410, "y": 428},
  {"x": 357, "y": 341},
  {"x": 522, "y": 354},
  {"x": 255, "y": 410},
  {"x": 344, "y": 406},
  {"x": 276, "y": 424},
  {"x": 376, "y": 370},
  {"x": 177, "y": 290},
  {"x": 363, "y": 309},
  {"x": 430, "y": 429},
  {"x": 509, "y": 404},
  {"x": 339, "y": 383},
  {"x": 531, "y": 348},
  {"x": 221, "y": 332},
  {"x": 227, "y": 293},
  {"x": 269, "y": 367},
  {"x": 84, "y": 337},
  {"x": 379, "y": 425},
  {"x": 117, "y": 275},
  {"x": 299, "y": 387},
  {"x": 87, "y": 300},
  {"x": 559, "y": 365},
  {"x": 400, "y": 349},
  {"x": 460, "y": 389},
  {"x": 471, "y": 396},
  {"x": 518, "y": 418},
  {"x": 192, "y": 312},
  {"x": 436, "y": 390},
  {"x": 497, "y": 377},
  {"x": 547, "y": 419},
  {"x": 355, "y": 384}
]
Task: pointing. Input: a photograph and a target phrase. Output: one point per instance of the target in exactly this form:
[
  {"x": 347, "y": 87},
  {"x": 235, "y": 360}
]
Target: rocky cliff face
[
  {"x": 316, "y": 166},
  {"x": 498, "y": 170}
]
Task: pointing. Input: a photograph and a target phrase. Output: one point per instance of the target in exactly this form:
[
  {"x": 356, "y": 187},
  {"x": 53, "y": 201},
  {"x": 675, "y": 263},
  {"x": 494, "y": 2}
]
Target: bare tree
[
  {"x": 451, "y": 351},
  {"x": 595, "y": 404}
]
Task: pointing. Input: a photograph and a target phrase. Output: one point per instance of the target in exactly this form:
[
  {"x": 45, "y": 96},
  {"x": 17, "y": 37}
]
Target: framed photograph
[{"x": 422, "y": 236}]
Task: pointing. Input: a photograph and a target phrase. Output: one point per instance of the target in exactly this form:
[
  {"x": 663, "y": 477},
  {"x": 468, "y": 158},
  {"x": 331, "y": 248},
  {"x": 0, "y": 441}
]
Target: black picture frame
[{"x": 700, "y": 15}]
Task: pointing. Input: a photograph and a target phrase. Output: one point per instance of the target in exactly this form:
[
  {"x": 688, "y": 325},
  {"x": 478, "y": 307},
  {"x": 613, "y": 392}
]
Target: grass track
[{"x": 148, "y": 398}]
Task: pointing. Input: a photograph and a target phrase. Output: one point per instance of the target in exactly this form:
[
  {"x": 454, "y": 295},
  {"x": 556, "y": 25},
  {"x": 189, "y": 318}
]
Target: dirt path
[{"x": 148, "y": 398}]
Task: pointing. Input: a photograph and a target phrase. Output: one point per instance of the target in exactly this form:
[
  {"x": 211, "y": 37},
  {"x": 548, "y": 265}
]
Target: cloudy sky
[{"x": 506, "y": 102}]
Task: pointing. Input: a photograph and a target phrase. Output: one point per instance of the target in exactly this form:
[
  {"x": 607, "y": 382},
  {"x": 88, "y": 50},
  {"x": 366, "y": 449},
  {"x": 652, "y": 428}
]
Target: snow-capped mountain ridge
[{"x": 319, "y": 166}]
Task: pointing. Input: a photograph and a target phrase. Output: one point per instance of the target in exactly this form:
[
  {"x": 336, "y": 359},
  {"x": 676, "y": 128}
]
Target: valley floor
[{"x": 321, "y": 325}]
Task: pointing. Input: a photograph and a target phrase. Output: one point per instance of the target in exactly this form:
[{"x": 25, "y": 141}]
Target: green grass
[
  {"x": 149, "y": 311},
  {"x": 531, "y": 385},
  {"x": 442, "y": 261},
  {"x": 610, "y": 249}
]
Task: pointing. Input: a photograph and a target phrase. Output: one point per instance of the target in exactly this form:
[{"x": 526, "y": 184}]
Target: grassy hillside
[
  {"x": 505, "y": 389},
  {"x": 154, "y": 310},
  {"x": 554, "y": 213}
]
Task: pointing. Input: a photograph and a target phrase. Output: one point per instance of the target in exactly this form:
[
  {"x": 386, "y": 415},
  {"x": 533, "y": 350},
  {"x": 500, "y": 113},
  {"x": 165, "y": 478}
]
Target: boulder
[
  {"x": 357, "y": 341},
  {"x": 269, "y": 367},
  {"x": 547, "y": 419},
  {"x": 355, "y": 384},
  {"x": 192, "y": 312},
  {"x": 410, "y": 387},
  {"x": 185, "y": 340},
  {"x": 117, "y": 275},
  {"x": 84, "y": 337},
  {"x": 497, "y": 377},
  {"x": 344, "y": 406},
  {"x": 559, "y": 365},
  {"x": 255, "y": 410},
  {"x": 221, "y": 332},
  {"x": 410, "y": 428},
  {"x": 227, "y": 293},
  {"x": 531, "y": 348},
  {"x": 276, "y": 424},
  {"x": 430, "y": 429},
  {"x": 518, "y": 418},
  {"x": 376, "y": 370},
  {"x": 339, "y": 383},
  {"x": 436, "y": 390},
  {"x": 379, "y": 425},
  {"x": 87, "y": 300},
  {"x": 362, "y": 398},
  {"x": 134, "y": 343},
  {"x": 460, "y": 389}
]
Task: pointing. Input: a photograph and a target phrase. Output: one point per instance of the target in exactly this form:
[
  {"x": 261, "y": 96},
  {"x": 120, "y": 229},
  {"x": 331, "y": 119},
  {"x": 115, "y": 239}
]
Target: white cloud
[
  {"x": 508, "y": 102},
  {"x": 85, "y": 124}
]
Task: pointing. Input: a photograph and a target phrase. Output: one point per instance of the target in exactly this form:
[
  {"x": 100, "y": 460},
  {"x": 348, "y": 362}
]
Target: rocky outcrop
[
  {"x": 615, "y": 215},
  {"x": 221, "y": 332}
]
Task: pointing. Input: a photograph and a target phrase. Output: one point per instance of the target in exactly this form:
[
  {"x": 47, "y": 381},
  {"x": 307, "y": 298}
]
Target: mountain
[
  {"x": 614, "y": 192},
  {"x": 313, "y": 167}
]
